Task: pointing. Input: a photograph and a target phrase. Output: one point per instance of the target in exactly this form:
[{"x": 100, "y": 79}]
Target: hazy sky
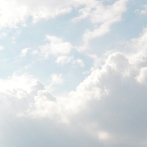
[{"x": 73, "y": 73}]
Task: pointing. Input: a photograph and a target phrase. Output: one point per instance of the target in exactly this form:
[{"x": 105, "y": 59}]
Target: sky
[{"x": 73, "y": 73}]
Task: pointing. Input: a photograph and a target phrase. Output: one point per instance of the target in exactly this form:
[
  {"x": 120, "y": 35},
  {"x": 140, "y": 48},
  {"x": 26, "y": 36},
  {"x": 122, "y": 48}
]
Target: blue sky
[{"x": 73, "y": 73}]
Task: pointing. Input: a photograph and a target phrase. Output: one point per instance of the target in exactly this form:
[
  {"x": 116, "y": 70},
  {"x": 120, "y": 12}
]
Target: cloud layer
[
  {"x": 108, "y": 107},
  {"x": 41, "y": 103}
]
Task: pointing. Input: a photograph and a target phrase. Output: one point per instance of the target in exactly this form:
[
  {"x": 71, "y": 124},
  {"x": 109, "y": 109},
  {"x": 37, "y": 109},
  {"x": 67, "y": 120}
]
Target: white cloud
[
  {"x": 24, "y": 52},
  {"x": 1, "y": 48},
  {"x": 57, "y": 79},
  {"x": 143, "y": 11},
  {"x": 102, "y": 16},
  {"x": 103, "y": 135},
  {"x": 15, "y": 12},
  {"x": 17, "y": 93},
  {"x": 3, "y": 35},
  {"x": 109, "y": 104},
  {"x": 56, "y": 47},
  {"x": 24, "y": 82},
  {"x": 107, "y": 109},
  {"x": 34, "y": 52},
  {"x": 142, "y": 77},
  {"x": 18, "y": 12},
  {"x": 64, "y": 59},
  {"x": 78, "y": 61}
]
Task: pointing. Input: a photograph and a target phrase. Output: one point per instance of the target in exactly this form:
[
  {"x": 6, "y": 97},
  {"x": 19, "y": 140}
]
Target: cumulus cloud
[
  {"x": 142, "y": 77},
  {"x": 79, "y": 62},
  {"x": 18, "y": 12},
  {"x": 2, "y": 35},
  {"x": 102, "y": 17},
  {"x": 56, "y": 47},
  {"x": 109, "y": 104},
  {"x": 17, "y": 93},
  {"x": 24, "y": 52},
  {"x": 107, "y": 109},
  {"x": 57, "y": 79},
  {"x": 1, "y": 48},
  {"x": 62, "y": 60},
  {"x": 15, "y": 12},
  {"x": 143, "y": 11}
]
